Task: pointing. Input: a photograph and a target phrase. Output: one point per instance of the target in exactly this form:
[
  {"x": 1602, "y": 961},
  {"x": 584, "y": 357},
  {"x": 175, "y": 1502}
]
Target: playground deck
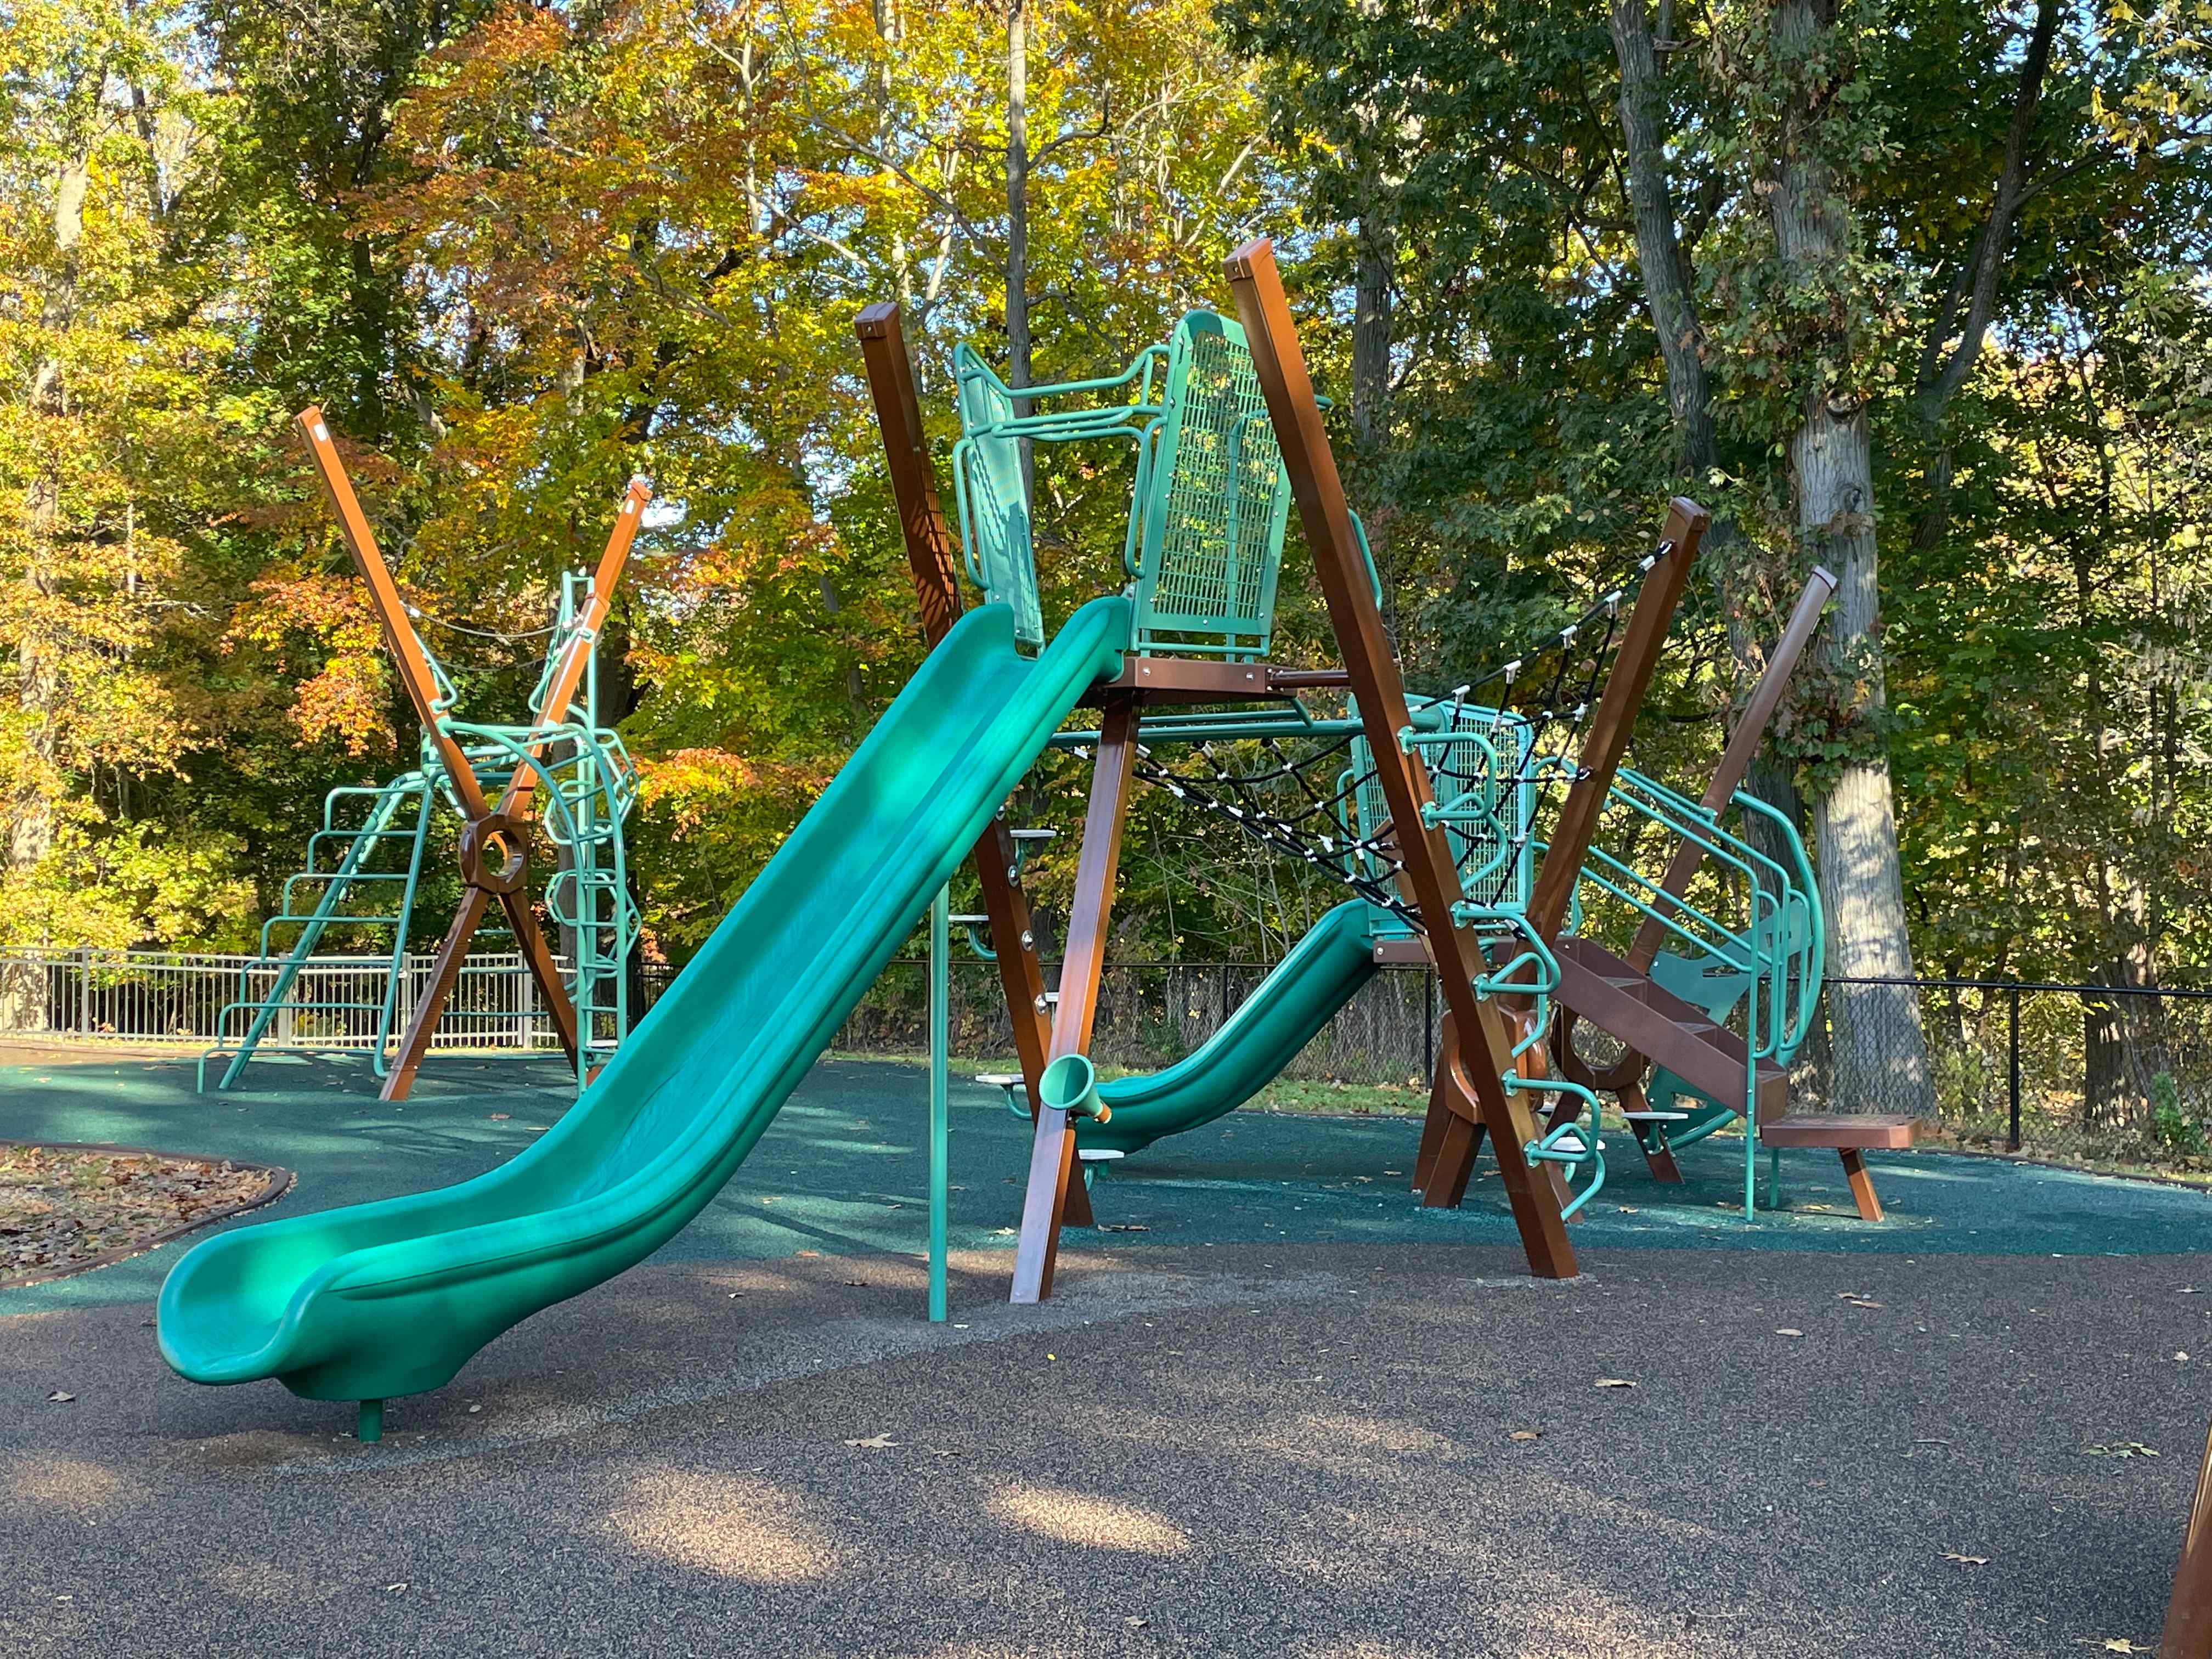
[{"x": 1286, "y": 1422}]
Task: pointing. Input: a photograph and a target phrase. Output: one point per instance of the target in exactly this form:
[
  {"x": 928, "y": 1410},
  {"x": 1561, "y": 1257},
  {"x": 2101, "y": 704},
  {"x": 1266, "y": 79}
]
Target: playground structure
[
  {"x": 1435, "y": 820},
  {"x": 374, "y": 839}
]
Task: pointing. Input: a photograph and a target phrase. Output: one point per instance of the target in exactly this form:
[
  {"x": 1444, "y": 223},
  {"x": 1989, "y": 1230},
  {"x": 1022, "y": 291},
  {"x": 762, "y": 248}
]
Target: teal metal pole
[{"x": 940, "y": 1049}]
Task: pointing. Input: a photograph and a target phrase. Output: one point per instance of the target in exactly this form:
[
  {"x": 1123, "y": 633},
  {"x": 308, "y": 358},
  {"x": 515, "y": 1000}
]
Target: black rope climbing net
[
  {"x": 1301, "y": 802},
  {"x": 1496, "y": 749}
]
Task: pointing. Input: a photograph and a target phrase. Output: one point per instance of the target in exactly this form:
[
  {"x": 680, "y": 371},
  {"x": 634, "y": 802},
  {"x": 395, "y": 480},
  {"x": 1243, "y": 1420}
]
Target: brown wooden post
[
  {"x": 1607, "y": 745},
  {"x": 495, "y": 839},
  {"x": 1052, "y": 1149},
  {"x": 2189, "y": 1613},
  {"x": 1279, "y": 364},
  {"x": 1736, "y": 761},
  {"x": 934, "y": 562},
  {"x": 1624, "y": 1077}
]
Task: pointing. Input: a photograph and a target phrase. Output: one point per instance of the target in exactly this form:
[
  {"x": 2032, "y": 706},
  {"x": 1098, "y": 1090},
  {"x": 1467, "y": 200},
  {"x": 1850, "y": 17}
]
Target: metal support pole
[
  {"x": 2012, "y": 1046},
  {"x": 940, "y": 1051}
]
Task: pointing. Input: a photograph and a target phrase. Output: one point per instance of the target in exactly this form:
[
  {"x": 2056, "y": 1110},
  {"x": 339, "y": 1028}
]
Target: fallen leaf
[
  {"x": 401, "y": 1585},
  {"x": 875, "y": 1442},
  {"x": 1614, "y": 1382},
  {"x": 2119, "y": 1449},
  {"x": 810, "y": 1253},
  {"x": 59, "y": 1397},
  {"x": 475, "y": 1408},
  {"x": 1626, "y": 1209},
  {"x": 1789, "y": 1330},
  {"x": 1135, "y": 1622},
  {"x": 1967, "y": 1560},
  {"x": 1003, "y": 1232},
  {"x": 500, "y": 1117},
  {"x": 857, "y": 1283},
  {"x": 1126, "y": 1227},
  {"x": 2113, "y": 1644},
  {"x": 1526, "y": 1434}
]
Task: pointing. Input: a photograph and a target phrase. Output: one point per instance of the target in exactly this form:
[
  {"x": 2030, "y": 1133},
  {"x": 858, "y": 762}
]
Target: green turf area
[{"x": 842, "y": 1170}]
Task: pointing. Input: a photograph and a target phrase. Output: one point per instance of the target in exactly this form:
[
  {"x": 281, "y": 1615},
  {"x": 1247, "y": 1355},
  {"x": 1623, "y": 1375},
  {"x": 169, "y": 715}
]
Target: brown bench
[{"x": 1852, "y": 1134}]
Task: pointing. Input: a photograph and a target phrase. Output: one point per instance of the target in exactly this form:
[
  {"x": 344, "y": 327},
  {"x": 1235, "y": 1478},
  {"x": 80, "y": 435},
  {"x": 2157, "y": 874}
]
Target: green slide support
[
  {"x": 393, "y": 1298},
  {"x": 1280, "y": 1017}
]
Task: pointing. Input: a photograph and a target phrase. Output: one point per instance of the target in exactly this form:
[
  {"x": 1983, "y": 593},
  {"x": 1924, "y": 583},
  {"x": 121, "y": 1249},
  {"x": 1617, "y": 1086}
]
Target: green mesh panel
[{"x": 1213, "y": 500}]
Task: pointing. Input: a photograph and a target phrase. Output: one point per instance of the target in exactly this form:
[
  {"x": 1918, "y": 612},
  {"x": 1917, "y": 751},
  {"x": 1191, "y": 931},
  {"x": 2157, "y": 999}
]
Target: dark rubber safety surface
[{"x": 1294, "y": 1414}]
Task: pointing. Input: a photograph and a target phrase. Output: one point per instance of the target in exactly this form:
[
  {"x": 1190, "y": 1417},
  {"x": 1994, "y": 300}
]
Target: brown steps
[{"x": 1600, "y": 987}]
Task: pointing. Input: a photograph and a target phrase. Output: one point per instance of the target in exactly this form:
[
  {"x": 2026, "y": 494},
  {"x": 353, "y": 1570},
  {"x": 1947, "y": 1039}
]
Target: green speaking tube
[{"x": 1070, "y": 1084}]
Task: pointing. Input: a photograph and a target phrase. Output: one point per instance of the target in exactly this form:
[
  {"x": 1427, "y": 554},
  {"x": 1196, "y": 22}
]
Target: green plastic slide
[
  {"x": 393, "y": 1298},
  {"x": 1319, "y": 976}
]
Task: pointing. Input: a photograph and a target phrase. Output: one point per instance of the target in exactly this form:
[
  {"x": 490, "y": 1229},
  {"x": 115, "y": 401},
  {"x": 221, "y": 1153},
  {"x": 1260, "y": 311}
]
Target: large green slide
[
  {"x": 1282, "y": 1015},
  {"x": 393, "y": 1298}
]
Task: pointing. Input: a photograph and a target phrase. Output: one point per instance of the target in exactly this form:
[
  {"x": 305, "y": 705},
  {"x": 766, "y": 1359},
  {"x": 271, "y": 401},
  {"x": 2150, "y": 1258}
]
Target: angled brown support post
[
  {"x": 407, "y": 652},
  {"x": 1736, "y": 759},
  {"x": 1624, "y": 1077},
  {"x": 1605, "y": 746},
  {"x": 502, "y": 835},
  {"x": 495, "y": 842},
  {"x": 1051, "y": 1148},
  {"x": 2188, "y": 1632},
  {"x": 935, "y": 564},
  {"x": 1602, "y": 751},
  {"x": 1279, "y": 364}
]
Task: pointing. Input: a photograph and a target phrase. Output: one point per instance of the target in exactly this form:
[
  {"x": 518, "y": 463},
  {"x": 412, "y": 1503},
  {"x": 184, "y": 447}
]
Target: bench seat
[{"x": 1850, "y": 1135}]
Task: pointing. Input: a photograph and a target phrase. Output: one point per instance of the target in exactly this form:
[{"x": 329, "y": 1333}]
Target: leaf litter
[{"x": 63, "y": 1209}]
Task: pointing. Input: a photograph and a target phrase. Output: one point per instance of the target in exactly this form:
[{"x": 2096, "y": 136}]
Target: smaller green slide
[
  {"x": 1281, "y": 1016},
  {"x": 393, "y": 1298}
]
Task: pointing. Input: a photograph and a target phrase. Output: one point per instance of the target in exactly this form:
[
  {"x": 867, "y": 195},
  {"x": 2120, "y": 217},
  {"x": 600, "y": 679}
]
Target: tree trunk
[
  {"x": 31, "y": 817},
  {"x": 2124, "y": 1054},
  {"x": 1944, "y": 367},
  {"x": 1880, "y": 1054},
  {"x": 1658, "y": 246},
  {"x": 1371, "y": 321},
  {"x": 1668, "y": 298},
  {"x": 1017, "y": 198}
]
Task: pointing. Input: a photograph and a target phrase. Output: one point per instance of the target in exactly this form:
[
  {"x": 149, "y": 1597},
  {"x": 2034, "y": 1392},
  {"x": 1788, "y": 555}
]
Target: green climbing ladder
[{"x": 588, "y": 786}]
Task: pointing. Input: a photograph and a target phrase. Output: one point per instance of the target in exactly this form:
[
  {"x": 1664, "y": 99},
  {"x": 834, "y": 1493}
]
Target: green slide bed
[
  {"x": 1280, "y": 1017},
  {"x": 392, "y": 1298}
]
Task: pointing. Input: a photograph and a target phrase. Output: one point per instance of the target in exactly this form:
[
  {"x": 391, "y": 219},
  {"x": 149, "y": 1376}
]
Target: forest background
[{"x": 1914, "y": 289}]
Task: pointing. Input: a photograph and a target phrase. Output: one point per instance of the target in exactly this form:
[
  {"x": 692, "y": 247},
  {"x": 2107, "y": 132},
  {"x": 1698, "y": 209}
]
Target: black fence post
[{"x": 2012, "y": 1046}]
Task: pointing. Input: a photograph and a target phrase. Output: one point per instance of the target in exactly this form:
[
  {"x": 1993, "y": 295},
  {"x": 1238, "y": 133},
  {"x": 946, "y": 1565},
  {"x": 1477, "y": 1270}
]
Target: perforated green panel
[{"x": 1212, "y": 501}]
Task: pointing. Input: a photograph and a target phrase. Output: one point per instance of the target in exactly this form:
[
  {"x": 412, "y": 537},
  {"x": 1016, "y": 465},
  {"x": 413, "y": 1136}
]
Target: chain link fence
[
  {"x": 2108, "y": 1073},
  {"x": 1151, "y": 1015},
  {"x": 2104, "y": 1073}
]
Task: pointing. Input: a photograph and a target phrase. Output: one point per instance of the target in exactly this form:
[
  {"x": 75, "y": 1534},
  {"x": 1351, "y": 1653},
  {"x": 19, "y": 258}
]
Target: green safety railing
[{"x": 1746, "y": 943}]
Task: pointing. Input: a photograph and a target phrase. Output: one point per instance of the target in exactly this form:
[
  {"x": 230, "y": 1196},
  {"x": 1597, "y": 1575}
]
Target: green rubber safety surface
[{"x": 844, "y": 1171}]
